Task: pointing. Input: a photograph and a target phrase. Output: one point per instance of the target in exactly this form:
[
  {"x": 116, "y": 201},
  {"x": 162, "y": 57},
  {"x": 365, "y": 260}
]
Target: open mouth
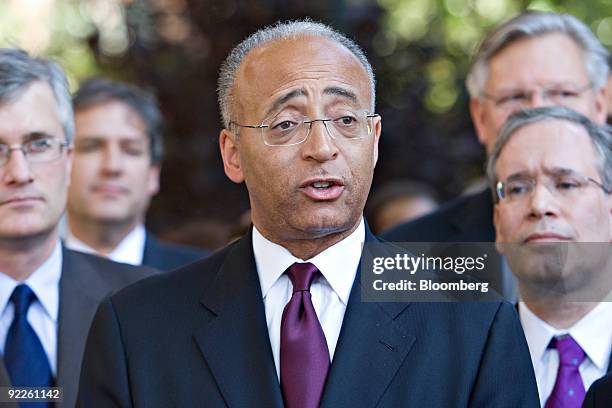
[{"x": 323, "y": 190}]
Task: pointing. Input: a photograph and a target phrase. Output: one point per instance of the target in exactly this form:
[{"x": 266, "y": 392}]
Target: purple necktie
[
  {"x": 569, "y": 388},
  {"x": 304, "y": 357}
]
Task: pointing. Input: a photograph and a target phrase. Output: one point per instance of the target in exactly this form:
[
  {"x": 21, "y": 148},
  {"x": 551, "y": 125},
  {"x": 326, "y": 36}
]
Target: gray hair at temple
[
  {"x": 533, "y": 24},
  {"x": 601, "y": 138},
  {"x": 96, "y": 91},
  {"x": 18, "y": 70},
  {"x": 279, "y": 31}
]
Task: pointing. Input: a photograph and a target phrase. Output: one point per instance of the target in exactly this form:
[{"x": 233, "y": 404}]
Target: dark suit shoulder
[
  {"x": 467, "y": 218},
  {"x": 600, "y": 393},
  {"x": 165, "y": 256},
  {"x": 186, "y": 282},
  {"x": 115, "y": 274}
]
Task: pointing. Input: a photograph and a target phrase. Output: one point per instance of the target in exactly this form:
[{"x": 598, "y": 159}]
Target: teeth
[{"x": 321, "y": 184}]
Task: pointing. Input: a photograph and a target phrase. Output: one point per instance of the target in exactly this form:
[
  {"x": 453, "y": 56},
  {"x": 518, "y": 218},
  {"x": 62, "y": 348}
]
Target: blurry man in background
[
  {"x": 117, "y": 160},
  {"x": 48, "y": 295},
  {"x": 551, "y": 170},
  {"x": 399, "y": 201}
]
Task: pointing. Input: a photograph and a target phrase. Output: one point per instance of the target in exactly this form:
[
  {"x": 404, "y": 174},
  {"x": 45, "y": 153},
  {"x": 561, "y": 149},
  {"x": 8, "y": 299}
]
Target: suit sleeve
[
  {"x": 104, "y": 379},
  {"x": 505, "y": 377}
]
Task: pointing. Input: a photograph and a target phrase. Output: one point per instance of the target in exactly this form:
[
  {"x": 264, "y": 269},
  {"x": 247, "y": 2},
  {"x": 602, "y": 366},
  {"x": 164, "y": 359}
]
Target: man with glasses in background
[
  {"x": 48, "y": 295},
  {"x": 276, "y": 319},
  {"x": 551, "y": 170},
  {"x": 535, "y": 59}
]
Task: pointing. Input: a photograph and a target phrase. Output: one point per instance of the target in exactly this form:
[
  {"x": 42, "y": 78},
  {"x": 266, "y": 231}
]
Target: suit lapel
[
  {"x": 371, "y": 348},
  {"x": 79, "y": 298},
  {"x": 235, "y": 343}
]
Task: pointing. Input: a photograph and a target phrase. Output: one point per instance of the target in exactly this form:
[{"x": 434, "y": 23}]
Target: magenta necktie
[
  {"x": 304, "y": 357},
  {"x": 569, "y": 388}
]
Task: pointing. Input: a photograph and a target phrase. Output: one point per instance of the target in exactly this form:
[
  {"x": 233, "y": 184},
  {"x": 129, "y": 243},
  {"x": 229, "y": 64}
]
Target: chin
[{"x": 323, "y": 226}]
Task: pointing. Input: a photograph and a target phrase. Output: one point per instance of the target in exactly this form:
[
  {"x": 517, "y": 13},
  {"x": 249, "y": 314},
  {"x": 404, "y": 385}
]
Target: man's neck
[
  {"x": 20, "y": 257},
  {"x": 102, "y": 237},
  {"x": 560, "y": 314},
  {"x": 307, "y": 248}
]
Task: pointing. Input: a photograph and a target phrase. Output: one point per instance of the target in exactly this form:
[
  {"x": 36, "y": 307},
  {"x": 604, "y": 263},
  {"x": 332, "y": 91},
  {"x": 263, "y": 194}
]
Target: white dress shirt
[
  {"x": 330, "y": 293},
  {"x": 130, "y": 250},
  {"x": 593, "y": 333},
  {"x": 43, "y": 312}
]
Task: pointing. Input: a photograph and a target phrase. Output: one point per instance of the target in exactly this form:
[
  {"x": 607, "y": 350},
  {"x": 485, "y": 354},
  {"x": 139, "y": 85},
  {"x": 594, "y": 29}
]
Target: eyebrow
[
  {"x": 332, "y": 90},
  {"x": 338, "y": 91},
  {"x": 35, "y": 135},
  {"x": 554, "y": 171},
  {"x": 284, "y": 99}
]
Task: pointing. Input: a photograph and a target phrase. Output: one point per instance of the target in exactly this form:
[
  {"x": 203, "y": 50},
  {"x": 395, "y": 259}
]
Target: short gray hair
[
  {"x": 279, "y": 31},
  {"x": 96, "y": 91},
  {"x": 18, "y": 70},
  {"x": 533, "y": 24},
  {"x": 601, "y": 138}
]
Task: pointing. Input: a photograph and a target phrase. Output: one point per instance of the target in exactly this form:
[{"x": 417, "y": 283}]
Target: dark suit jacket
[
  {"x": 166, "y": 257},
  {"x": 198, "y": 337},
  {"x": 600, "y": 393},
  {"x": 85, "y": 281}
]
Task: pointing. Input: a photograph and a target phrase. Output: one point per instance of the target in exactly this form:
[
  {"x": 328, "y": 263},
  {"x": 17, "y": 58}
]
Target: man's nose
[
  {"x": 319, "y": 145},
  {"x": 542, "y": 202},
  {"x": 17, "y": 169},
  {"x": 112, "y": 160}
]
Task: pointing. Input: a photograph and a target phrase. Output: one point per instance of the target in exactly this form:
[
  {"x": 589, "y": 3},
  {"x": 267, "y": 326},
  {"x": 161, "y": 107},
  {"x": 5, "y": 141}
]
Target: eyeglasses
[
  {"x": 35, "y": 151},
  {"x": 289, "y": 129},
  {"x": 565, "y": 186},
  {"x": 561, "y": 95}
]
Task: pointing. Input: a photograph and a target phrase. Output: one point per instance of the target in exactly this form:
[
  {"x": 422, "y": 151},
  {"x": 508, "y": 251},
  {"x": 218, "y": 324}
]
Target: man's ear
[
  {"x": 228, "y": 144},
  {"x": 499, "y": 239},
  {"x": 377, "y": 133},
  {"x": 601, "y": 105},
  {"x": 153, "y": 179},
  {"x": 609, "y": 198},
  {"x": 478, "y": 119}
]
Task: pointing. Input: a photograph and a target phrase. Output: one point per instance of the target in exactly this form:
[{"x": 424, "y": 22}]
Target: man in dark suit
[
  {"x": 276, "y": 319},
  {"x": 517, "y": 66},
  {"x": 551, "y": 169},
  {"x": 117, "y": 159},
  {"x": 48, "y": 295},
  {"x": 599, "y": 394}
]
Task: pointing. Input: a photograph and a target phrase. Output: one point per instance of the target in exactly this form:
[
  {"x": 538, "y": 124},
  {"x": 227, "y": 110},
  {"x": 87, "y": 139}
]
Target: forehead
[
  {"x": 108, "y": 120},
  {"x": 546, "y": 59},
  {"x": 308, "y": 62},
  {"x": 33, "y": 109},
  {"x": 546, "y": 145}
]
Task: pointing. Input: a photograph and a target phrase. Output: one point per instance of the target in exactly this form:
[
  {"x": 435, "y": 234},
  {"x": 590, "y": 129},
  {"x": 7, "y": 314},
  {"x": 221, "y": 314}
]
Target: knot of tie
[
  {"x": 22, "y": 298},
  {"x": 570, "y": 352},
  {"x": 302, "y": 275}
]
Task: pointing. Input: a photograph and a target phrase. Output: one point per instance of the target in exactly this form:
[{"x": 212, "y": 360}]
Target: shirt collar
[
  {"x": 338, "y": 263},
  {"x": 592, "y": 333},
  {"x": 130, "y": 250},
  {"x": 44, "y": 282}
]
